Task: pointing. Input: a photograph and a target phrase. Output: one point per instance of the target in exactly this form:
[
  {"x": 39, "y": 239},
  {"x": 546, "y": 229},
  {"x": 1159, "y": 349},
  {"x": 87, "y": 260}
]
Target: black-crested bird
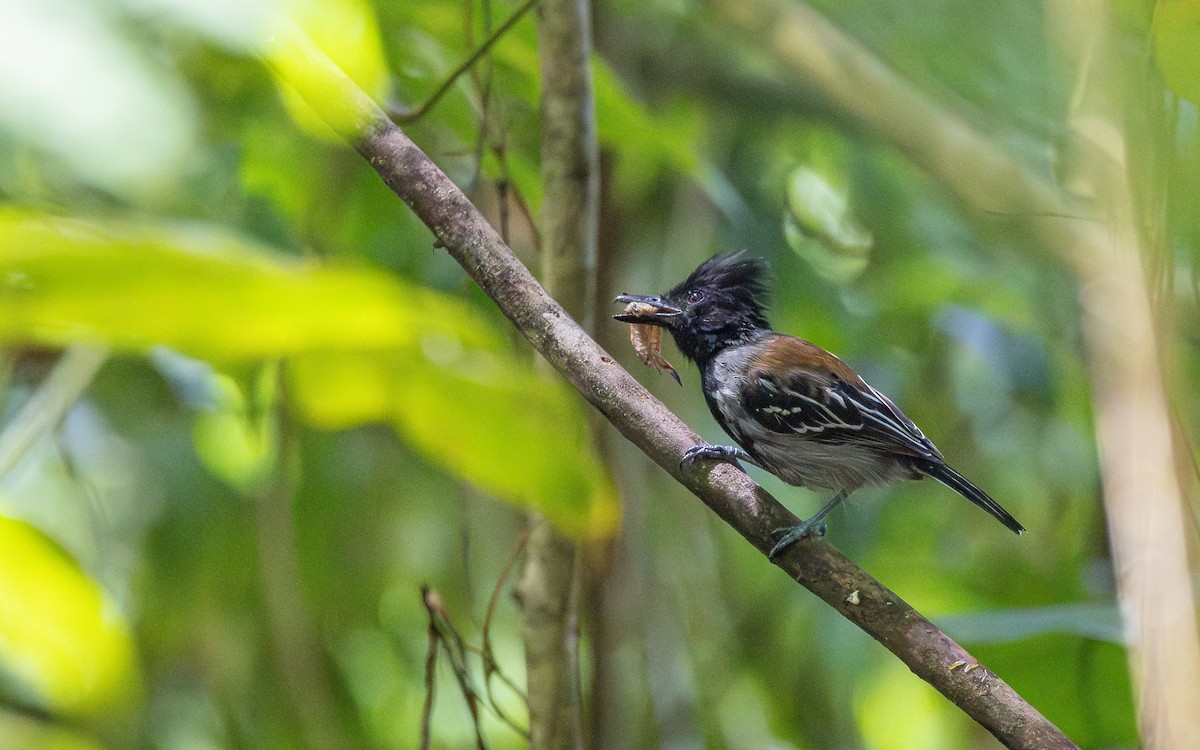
[{"x": 796, "y": 410}]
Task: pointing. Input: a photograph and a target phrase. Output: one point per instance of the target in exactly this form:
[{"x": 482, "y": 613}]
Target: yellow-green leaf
[
  {"x": 482, "y": 415},
  {"x": 23, "y": 733},
  {"x": 820, "y": 227},
  {"x": 348, "y": 32},
  {"x": 204, "y": 293},
  {"x": 1176, "y": 30},
  {"x": 236, "y": 442},
  {"x": 61, "y": 638}
]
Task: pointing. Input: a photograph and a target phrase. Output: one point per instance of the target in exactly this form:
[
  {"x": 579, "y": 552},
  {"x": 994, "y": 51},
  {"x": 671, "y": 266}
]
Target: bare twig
[
  {"x": 442, "y": 629},
  {"x": 403, "y": 114},
  {"x": 431, "y": 652},
  {"x": 490, "y": 667},
  {"x": 442, "y": 634},
  {"x": 642, "y": 419}
]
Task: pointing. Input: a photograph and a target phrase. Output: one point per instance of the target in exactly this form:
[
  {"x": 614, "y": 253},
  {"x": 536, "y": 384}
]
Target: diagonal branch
[{"x": 641, "y": 418}]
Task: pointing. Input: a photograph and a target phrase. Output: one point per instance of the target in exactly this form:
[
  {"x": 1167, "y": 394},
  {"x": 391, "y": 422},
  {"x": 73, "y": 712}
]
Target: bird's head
[{"x": 719, "y": 304}]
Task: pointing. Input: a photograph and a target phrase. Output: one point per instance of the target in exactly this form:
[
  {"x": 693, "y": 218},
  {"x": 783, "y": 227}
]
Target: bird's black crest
[
  {"x": 723, "y": 304},
  {"x": 741, "y": 277}
]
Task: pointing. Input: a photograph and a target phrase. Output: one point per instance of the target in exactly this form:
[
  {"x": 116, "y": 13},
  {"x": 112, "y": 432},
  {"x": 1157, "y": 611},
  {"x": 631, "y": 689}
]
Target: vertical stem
[
  {"x": 570, "y": 157},
  {"x": 1147, "y": 514},
  {"x": 290, "y": 625},
  {"x": 549, "y": 588}
]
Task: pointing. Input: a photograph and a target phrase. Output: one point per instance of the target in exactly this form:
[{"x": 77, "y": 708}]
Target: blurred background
[{"x": 249, "y": 410}]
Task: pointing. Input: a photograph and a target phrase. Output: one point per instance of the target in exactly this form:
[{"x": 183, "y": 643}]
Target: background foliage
[{"x": 306, "y": 412}]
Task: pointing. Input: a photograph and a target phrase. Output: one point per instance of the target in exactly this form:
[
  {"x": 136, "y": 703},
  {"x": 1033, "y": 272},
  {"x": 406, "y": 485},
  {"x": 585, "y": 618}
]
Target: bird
[{"x": 793, "y": 408}]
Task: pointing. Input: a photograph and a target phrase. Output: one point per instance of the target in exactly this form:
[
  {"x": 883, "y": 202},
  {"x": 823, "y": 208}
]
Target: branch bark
[
  {"x": 550, "y": 583},
  {"x": 641, "y": 418}
]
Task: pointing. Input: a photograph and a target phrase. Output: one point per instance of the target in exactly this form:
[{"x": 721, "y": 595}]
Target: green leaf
[
  {"x": 896, "y": 712},
  {"x": 646, "y": 143},
  {"x": 387, "y": 351},
  {"x": 238, "y": 443},
  {"x": 482, "y": 415},
  {"x": 348, "y": 32},
  {"x": 63, "y": 643},
  {"x": 23, "y": 733},
  {"x": 820, "y": 227},
  {"x": 205, "y": 293},
  {"x": 1176, "y": 31}
]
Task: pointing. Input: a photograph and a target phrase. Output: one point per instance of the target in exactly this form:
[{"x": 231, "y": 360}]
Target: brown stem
[
  {"x": 549, "y": 586},
  {"x": 1148, "y": 516}
]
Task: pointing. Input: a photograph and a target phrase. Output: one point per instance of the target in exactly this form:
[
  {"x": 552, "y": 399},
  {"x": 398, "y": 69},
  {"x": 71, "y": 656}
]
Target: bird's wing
[{"x": 797, "y": 387}]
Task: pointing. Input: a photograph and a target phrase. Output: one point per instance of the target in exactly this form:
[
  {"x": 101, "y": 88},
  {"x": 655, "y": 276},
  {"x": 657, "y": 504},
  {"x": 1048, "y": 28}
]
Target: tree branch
[{"x": 641, "y": 418}]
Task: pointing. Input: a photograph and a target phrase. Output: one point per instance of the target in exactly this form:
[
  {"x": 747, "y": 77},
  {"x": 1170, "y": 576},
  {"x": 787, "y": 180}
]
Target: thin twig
[
  {"x": 430, "y": 671},
  {"x": 487, "y": 657},
  {"x": 401, "y": 114},
  {"x": 456, "y": 651}
]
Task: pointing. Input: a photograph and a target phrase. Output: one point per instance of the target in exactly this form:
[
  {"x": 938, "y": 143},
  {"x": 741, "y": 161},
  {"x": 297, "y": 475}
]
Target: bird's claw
[
  {"x": 723, "y": 453},
  {"x": 793, "y": 534}
]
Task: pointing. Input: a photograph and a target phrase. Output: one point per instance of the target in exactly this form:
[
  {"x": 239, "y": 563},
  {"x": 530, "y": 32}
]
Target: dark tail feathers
[{"x": 963, "y": 486}]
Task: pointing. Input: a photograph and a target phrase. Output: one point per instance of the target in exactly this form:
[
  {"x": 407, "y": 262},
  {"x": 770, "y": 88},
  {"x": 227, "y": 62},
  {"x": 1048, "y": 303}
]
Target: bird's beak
[{"x": 662, "y": 315}]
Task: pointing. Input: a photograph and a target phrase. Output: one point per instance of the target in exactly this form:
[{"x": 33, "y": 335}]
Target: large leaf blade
[
  {"x": 208, "y": 294},
  {"x": 485, "y": 416},
  {"x": 63, "y": 643}
]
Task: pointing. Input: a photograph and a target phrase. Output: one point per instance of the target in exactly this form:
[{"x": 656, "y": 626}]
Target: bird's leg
[
  {"x": 730, "y": 454},
  {"x": 813, "y": 526}
]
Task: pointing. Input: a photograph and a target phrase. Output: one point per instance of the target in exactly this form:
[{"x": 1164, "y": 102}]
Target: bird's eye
[{"x": 695, "y": 297}]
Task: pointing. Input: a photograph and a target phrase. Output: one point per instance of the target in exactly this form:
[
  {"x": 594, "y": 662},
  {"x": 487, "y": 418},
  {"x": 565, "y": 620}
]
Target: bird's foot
[
  {"x": 724, "y": 453},
  {"x": 813, "y": 527}
]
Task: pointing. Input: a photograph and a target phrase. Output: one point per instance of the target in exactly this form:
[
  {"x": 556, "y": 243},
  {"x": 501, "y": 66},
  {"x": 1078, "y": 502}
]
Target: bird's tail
[{"x": 963, "y": 486}]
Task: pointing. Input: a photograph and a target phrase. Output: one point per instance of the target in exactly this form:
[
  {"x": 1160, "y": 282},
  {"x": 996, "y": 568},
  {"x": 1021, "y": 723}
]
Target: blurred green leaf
[
  {"x": 819, "y": 227},
  {"x": 896, "y": 712},
  {"x": 483, "y": 415},
  {"x": 346, "y": 31},
  {"x": 23, "y": 733},
  {"x": 75, "y": 85},
  {"x": 1176, "y": 33},
  {"x": 647, "y": 143},
  {"x": 62, "y": 641},
  {"x": 203, "y": 292},
  {"x": 449, "y": 385},
  {"x": 237, "y": 441}
]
